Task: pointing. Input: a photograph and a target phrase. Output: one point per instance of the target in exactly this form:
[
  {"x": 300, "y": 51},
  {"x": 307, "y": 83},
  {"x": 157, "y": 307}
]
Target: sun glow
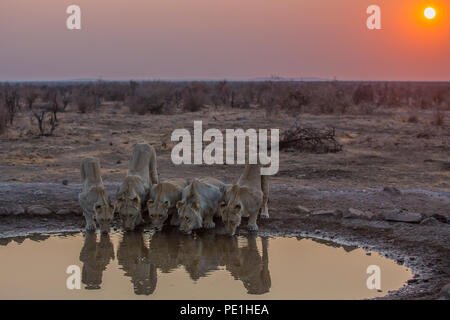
[{"x": 430, "y": 13}]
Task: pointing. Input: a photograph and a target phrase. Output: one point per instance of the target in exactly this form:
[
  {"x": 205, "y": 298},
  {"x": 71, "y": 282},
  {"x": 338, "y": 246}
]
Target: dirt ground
[{"x": 380, "y": 150}]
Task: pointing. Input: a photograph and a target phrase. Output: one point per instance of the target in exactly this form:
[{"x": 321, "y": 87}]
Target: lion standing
[{"x": 133, "y": 192}]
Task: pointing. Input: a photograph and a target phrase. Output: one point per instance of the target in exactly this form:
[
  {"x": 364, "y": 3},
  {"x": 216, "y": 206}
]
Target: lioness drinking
[
  {"x": 163, "y": 199},
  {"x": 246, "y": 198},
  {"x": 133, "y": 192},
  {"x": 199, "y": 204},
  {"x": 93, "y": 199}
]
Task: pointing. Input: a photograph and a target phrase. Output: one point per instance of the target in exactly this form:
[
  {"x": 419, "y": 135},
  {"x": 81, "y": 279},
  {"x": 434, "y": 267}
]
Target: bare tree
[
  {"x": 11, "y": 102},
  {"x": 30, "y": 97},
  {"x": 3, "y": 118},
  {"x": 65, "y": 100},
  {"x": 46, "y": 113}
]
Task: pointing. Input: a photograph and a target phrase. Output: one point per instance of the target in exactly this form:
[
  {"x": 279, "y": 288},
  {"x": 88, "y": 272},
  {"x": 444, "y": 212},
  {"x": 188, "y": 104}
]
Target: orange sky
[{"x": 215, "y": 39}]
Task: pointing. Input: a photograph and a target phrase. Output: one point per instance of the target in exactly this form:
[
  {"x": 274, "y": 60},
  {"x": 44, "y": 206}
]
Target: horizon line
[{"x": 254, "y": 79}]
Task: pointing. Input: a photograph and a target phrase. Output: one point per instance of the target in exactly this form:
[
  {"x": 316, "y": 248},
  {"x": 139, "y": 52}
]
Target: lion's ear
[
  {"x": 166, "y": 204},
  {"x": 179, "y": 204}
]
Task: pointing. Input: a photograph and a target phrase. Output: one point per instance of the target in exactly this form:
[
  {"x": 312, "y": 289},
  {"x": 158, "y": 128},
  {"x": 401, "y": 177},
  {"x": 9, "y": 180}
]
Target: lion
[
  {"x": 93, "y": 199},
  {"x": 247, "y": 198},
  {"x": 134, "y": 191},
  {"x": 163, "y": 199},
  {"x": 199, "y": 204}
]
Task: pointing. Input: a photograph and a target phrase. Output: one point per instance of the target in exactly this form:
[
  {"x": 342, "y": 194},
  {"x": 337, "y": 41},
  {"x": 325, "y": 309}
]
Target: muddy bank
[{"x": 369, "y": 218}]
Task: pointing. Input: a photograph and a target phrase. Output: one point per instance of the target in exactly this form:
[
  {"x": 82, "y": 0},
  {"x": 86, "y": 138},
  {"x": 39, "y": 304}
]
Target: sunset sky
[{"x": 217, "y": 39}]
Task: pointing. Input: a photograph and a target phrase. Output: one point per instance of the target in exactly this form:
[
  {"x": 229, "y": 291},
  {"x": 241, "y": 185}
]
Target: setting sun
[{"x": 430, "y": 13}]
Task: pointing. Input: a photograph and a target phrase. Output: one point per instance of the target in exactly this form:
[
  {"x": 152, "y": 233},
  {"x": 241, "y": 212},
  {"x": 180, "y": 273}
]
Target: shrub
[
  {"x": 3, "y": 118},
  {"x": 413, "y": 119},
  {"x": 363, "y": 94},
  {"x": 438, "y": 118},
  {"x": 195, "y": 97},
  {"x": 156, "y": 102},
  {"x": 85, "y": 103},
  {"x": 193, "y": 102}
]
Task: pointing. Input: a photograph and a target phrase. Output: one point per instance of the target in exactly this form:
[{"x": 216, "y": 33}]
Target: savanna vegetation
[{"x": 43, "y": 102}]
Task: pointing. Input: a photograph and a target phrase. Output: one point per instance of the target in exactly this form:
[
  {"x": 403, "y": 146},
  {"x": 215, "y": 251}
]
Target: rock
[
  {"x": 64, "y": 212},
  {"x": 402, "y": 216},
  {"x": 392, "y": 191},
  {"x": 330, "y": 212},
  {"x": 430, "y": 222},
  {"x": 38, "y": 210},
  {"x": 3, "y": 211},
  {"x": 440, "y": 218},
  {"x": 65, "y": 182},
  {"x": 444, "y": 294},
  {"x": 304, "y": 210},
  {"x": 16, "y": 210},
  {"x": 355, "y": 213}
]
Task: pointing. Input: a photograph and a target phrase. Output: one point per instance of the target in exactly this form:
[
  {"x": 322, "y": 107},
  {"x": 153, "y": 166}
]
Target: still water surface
[{"x": 143, "y": 265}]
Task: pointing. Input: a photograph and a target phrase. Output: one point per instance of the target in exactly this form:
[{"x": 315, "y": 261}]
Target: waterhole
[{"x": 169, "y": 265}]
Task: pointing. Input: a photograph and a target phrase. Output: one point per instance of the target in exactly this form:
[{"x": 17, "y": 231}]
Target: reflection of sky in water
[{"x": 169, "y": 265}]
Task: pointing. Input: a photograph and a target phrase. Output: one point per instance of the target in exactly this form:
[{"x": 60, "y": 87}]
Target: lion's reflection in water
[
  {"x": 133, "y": 257},
  {"x": 199, "y": 255},
  {"x": 95, "y": 257}
]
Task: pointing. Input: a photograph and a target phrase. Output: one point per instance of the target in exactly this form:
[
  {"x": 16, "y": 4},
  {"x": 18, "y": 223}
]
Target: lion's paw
[
  {"x": 90, "y": 227},
  {"x": 209, "y": 225}
]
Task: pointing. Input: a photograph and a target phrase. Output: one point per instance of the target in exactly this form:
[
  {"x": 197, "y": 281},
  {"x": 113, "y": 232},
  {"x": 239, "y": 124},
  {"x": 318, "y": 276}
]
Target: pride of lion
[{"x": 190, "y": 204}]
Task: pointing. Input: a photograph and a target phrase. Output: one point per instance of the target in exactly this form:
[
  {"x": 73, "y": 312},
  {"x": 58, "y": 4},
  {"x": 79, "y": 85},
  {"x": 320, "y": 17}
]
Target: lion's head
[
  {"x": 230, "y": 209},
  {"x": 189, "y": 213},
  {"x": 158, "y": 212},
  {"x": 104, "y": 214},
  {"x": 129, "y": 202},
  {"x": 129, "y": 208}
]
